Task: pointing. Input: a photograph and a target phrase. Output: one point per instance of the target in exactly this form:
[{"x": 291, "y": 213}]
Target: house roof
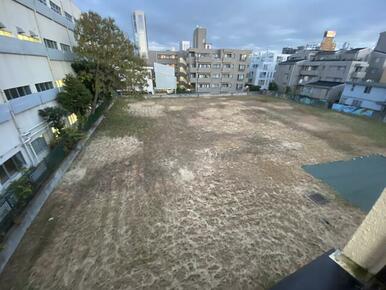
[
  {"x": 326, "y": 84},
  {"x": 368, "y": 84},
  {"x": 291, "y": 61}
]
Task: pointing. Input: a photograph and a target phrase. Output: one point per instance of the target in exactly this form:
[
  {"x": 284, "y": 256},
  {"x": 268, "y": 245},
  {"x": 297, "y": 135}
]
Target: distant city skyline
[{"x": 250, "y": 24}]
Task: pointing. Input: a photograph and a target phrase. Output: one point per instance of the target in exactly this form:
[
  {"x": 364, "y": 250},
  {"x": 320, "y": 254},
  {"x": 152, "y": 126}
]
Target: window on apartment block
[
  {"x": 241, "y": 67},
  {"x": 228, "y": 65},
  {"x": 216, "y": 65},
  {"x": 226, "y": 85},
  {"x": 204, "y": 65},
  {"x": 261, "y": 83},
  {"x": 215, "y": 85},
  {"x": 18, "y": 92},
  {"x": 65, "y": 47},
  {"x": 227, "y": 76},
  {"x": 50, "y": 43},
  {"x": 11, "y": 167},
  {"x": 203, "y": 76},
  {"x": 215, "y": 76},
  {"x": 243, "y": 57},
  {"x": 367, "y": 90},
  {"x": 356, "y": 103},
  {"x": 228, "y": 55},
  {"x": 204, "y": 85},
  {"x": 39, "y": 145},
  {"x": 43, "y": 1},
  {"x": 352, "y": 87},
  {"x": 40, "y": 87},
  {"x": 193, "y": 75},
  {"x": 68, "y": 16},
  {"x": 239, "y": 86},
  {"x": 55, "y": 8},
  {"x": 240, "y": 77}
]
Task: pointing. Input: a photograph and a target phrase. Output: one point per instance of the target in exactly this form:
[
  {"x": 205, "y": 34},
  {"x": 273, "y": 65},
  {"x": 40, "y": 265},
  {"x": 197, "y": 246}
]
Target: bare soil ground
[{"x": 194, "y": 194}]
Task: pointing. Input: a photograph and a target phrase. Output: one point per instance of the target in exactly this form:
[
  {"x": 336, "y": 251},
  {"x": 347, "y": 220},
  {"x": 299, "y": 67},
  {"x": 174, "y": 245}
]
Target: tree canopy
[
  {"x": 75, "y": 97},
  {"x": 107, "y": 56}
]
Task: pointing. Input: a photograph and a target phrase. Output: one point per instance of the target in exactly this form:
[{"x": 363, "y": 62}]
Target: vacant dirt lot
[{"x": 193, "y": 194}]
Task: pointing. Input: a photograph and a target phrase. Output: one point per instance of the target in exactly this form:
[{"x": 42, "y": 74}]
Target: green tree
[
  {"x": 75, "y": 97},
  {"x": 54, "y": 117},
  {"x": 272, "y": 86},
  {"x": 104, "y": 45}
]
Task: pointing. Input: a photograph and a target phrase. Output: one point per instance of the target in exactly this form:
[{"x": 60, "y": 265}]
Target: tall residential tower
[
  {"x": 140, "y": 33},
  {"x": 199, "y": 37}
]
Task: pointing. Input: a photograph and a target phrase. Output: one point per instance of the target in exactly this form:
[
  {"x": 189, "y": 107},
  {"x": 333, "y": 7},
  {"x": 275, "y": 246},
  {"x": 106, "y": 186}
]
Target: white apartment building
[
  {"x": 36, "y": 41},
  {"x": 263, "y": 67},
  {"x": 184, "y": 45}
]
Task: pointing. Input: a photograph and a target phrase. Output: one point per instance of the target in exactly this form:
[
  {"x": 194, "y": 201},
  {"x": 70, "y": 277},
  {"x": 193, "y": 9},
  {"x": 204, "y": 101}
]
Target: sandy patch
[{"x": 148, "y": 109}]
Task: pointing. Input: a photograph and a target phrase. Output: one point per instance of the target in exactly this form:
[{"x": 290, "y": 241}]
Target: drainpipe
[{"x": 31, "y": 159}]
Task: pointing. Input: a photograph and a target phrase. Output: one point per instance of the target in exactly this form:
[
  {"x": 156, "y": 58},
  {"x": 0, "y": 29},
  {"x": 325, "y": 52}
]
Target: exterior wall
[
  {"x": 218, "y": 70},
  {"x": 26, "y": 61},
  {"x": 377, "y": 64},
  {"x": 330, "y": 94},
  {"x": 287, "y": 75},
  {"x": 164, "y": 77},
  {"x": 367, "y": 246},
  {"x": 354, "y": 95},
  {"x": 333, "y": 71}
]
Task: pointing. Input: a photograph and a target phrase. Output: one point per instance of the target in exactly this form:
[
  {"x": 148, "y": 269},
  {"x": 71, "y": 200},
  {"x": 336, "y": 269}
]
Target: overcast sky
[{"x": 253, "y": 24}]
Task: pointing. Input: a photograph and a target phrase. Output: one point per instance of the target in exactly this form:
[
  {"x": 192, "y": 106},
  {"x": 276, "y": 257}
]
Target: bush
[
  {"x": 54, "y": 117},
  {"x": 253, "y": 88},
  {"x": 70, "y": 138},
  {"x": 273, "y": 86},
  {"x": 22, "y": 189}
]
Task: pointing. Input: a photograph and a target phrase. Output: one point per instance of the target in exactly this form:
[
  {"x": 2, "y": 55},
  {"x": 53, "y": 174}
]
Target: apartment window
[
  {"x": 239, "y": 86},
  {"x": 265, "y": 66},
  {"x": 241, "y": 67},
  {"x": 55, "y": 8},
  {"x": 215, "y": 85},
  {"x": 65, "y": 47},
  {"x": 40, "y": 87},
  {"x": 50, "y": 43},
  {"x": 18, "y": 92},
  {"x": 240, "y": 77},
  {"x": 228, "y": 55},
  {"x": 43, "y": 1},
  {"x": 68, "y": 16},
  {"x": 11, "y": 167},
  {"x": 215, "y": 76},
  {"x": 227, "y": 76},
  {"x": 243, "y": 57},
  {"x": 216, "y": 56},
  {"x": 228, "y": 65},
  {"x": 367, "y": 90},
  {"x": 204, "y": 55},
  {"x": 261, "y": 83},
  {"x": 216, "y": 65},
  {"x": 226, "y": 85},
  {"x": 352, "y": 87},
  {"x": 193, "y": 75},
  {"x": 204, "y": 65},
  {"x": 263, "y": 74},
  {"x": 39, "y": 145},
  {"x": 356, "y": 103},
  {"x": 204, "y": 85},
  {"x": 203, "y": 76}
]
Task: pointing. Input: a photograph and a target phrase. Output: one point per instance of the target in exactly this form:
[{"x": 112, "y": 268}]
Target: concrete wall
[
  {"x": 367, "y": 247},
  {"x": 371, "y": 100},
  {"x": 164, "y": 77}
]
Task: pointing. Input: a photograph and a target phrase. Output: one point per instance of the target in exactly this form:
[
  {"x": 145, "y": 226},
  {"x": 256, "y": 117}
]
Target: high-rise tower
[{"x": 140, "y": 33}]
